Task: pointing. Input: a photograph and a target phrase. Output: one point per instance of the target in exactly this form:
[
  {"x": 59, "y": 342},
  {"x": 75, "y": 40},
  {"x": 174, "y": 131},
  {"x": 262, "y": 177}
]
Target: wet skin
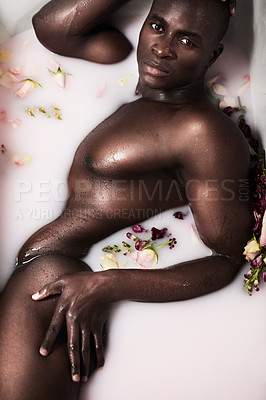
[{"x": 171, "y": 135}]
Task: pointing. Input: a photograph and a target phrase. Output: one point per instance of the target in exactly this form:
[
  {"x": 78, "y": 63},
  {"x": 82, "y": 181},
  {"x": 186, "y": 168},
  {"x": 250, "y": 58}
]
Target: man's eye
[
  {"x": 156, "y": 27},
  {"x": 187, "y": 42}
]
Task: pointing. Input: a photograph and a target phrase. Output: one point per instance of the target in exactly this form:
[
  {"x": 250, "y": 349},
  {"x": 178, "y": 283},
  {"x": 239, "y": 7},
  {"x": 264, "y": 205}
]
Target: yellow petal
[
  {"x": 110, "y": 262},
  {"x": 125, "y": 80},
  {"x": 5, "y": 55},
  {"x": 20, "y": 160}
]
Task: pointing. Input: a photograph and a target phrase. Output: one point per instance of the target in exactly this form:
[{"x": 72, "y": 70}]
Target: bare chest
[{"x": 138, "y": 138}]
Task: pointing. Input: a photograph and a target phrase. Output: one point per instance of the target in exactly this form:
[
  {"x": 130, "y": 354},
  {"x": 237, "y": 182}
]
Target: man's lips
[{"x": 154, "y": 69}]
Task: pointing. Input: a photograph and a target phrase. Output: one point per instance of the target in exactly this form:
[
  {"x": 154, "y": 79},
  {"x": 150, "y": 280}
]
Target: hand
[
  {"x": 84, "y": 304},
  {"x": 232, "y": 5}
]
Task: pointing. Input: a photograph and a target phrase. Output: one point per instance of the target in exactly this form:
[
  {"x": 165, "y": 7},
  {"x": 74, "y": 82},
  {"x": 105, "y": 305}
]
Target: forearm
[{"x": 181, "y": 282}]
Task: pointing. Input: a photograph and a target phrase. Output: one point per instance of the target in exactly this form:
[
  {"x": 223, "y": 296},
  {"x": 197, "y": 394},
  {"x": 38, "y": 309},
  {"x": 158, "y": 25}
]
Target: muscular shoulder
[{"x": 210, "y": 139}]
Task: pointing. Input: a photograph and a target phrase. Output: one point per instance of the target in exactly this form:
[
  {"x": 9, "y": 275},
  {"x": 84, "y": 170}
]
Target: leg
[{"x": 25, "y": 374}]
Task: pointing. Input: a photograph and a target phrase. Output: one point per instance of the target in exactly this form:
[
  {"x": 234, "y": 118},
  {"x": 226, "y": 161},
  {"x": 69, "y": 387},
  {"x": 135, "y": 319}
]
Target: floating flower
[
  {"x": 125, "y": 80},
  {"x": 16, "y": 71},
  {"x": 8, "y": 80},
  {"x": 146, "y": 258},
  {"x": 26, "y": 88},
  {"x": 178, "y": 215},
  {"x": 59, "y": 77},
  {"x": 30, "y": 111},
  {"x": 43, "y": 111},
  {"x": 158, "y": 233},
  {"x": 57, "y": 114},
  {"x": 245, "y": 86},
  {"x": 101, "y": 89},
  {"x": 20, "y": 160},
  {"x": 5, "y": 55},
  {"x": 263, "y": 231},
  {"x": 110, "y": 262},
  {"x": 138, "y": 229},
  {"x": 15, "y": 123},
  {"x": 227, "y": 101},
  {"x": 252, "y": 249},
  {"x": 3, "y": 115},
  {"x": 220, "y": 89}
]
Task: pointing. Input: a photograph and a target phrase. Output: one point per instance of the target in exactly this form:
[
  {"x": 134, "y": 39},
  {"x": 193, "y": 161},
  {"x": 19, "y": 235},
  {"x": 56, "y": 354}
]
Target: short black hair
[{"x": 223, "y": 17}]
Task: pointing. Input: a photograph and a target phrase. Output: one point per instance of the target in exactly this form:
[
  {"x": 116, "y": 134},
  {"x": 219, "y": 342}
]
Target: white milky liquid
[{"x": 207, "y": 348}]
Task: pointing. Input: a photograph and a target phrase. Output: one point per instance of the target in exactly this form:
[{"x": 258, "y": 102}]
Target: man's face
[{"x": 176, "y": 44}]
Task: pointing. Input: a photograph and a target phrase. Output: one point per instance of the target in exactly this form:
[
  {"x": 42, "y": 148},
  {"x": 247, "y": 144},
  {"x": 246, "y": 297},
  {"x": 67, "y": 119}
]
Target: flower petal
[
  {"x": 26, "y": 88},
  {"x": 20, "y": 160},
  {"x": 252, "y": 250},
  {"x": 220, "y": 89},
  {"x": 110, "y": 262},
  {"x": 7, "y": 80},
  {"x": 263, "y": 231},
  {"x": 5, "y": 55},
  {"x": 146, "y": 258}
]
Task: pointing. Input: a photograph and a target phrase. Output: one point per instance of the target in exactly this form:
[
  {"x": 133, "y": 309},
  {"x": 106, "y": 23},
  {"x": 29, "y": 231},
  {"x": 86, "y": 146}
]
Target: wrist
[{"x": 116, "y": 284}]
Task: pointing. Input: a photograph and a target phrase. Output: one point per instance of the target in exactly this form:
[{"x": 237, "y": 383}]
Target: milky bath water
[{"x": 197, "y": 349}]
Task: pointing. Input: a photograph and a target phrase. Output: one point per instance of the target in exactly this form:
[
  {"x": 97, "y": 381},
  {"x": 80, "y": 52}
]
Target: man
[{"x": 172, "y": 132}]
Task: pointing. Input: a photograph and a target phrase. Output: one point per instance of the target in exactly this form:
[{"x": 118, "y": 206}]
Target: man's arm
[{"x": 79, "y": 28}]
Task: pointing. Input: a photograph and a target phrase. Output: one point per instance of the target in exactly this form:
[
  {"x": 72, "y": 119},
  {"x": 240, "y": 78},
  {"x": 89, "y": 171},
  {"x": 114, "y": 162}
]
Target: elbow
[
  {"x": 41, "y": 29},
  {"x": 45, "y": 32}
]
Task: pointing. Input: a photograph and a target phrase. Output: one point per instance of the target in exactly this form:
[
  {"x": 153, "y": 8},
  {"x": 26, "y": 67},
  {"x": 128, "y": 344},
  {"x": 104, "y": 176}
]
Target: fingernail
[
  {"x": 35, "y": 296},
  {"x": 76, "y": 378},
  {"x": 43, "y": 352},
  {"x": 84, "y": 379}
]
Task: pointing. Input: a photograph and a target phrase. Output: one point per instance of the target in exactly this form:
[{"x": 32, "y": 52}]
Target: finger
[
  {"x": 53, "y": 330},
  {"x": 99, "y": 348},
  {"x": 85, "y": 354},
  {"x": 49, "y": 290},
  {"x": 73, "y": 331}
]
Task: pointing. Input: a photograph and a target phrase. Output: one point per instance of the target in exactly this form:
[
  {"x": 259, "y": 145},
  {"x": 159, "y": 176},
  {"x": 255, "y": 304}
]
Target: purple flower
[
  {"x": 263, "y": 231},
  {"x": 141, "y": 244},
  {"x": 245, "y": 128},
  {"x": 229, "y": 110},
  {"x": 257, "y": 262},
  {"x": 178, "y": 215},
  {"x": 158, "y": 233},
  {"x": 138, "y": 229}
]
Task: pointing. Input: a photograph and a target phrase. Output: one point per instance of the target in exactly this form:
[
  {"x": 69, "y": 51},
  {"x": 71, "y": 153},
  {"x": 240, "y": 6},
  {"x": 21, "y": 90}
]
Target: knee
[{"x": 42, "y": 270}]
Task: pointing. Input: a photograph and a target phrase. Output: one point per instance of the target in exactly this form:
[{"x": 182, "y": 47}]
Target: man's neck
[{"x": 179, "y": 96}]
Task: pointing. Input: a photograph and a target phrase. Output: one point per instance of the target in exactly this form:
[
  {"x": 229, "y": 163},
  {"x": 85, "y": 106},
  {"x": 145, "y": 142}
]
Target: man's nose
[{"x": 163, "y": 48}]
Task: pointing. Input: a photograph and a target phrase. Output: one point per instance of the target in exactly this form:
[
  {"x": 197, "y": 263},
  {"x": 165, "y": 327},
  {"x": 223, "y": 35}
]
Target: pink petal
[
  {"x": 25, "y": 89},
  {"x": 15, "y": 123},
  {"x": 3, "y": 115},
  {"x": 229, "y": 101},
  {"x": 263, "y": 231},
  {"x": 20, "y": 160},
  {"x": 16, "y": 71},
  {"x": 145, "y": 258},
  {"x": 101, "y": 89},
  {"x": 60, "y": 79},
  {"x": 7, "y": 80}
]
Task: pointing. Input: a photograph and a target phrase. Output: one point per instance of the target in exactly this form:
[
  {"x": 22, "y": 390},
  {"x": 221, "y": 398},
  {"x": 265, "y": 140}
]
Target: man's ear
[{"x": 215, "y": 54}]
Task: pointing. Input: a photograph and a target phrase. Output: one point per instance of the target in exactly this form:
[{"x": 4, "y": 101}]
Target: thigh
[{"x": 25, "y": 374}]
